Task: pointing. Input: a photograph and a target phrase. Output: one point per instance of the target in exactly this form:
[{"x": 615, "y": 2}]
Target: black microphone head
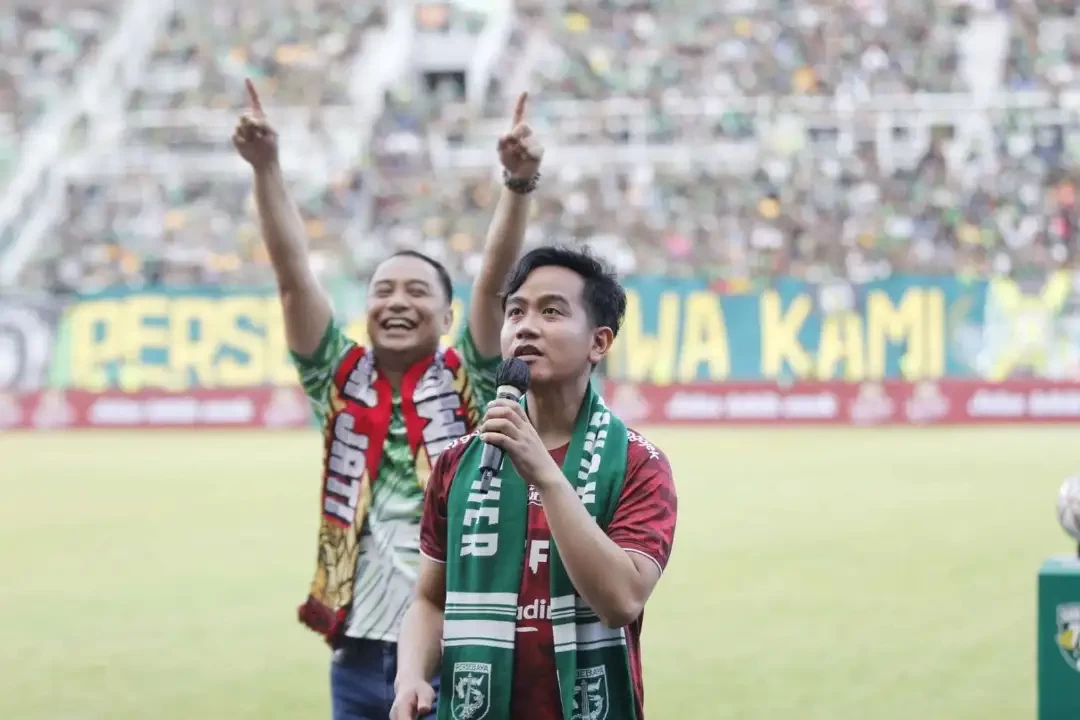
[{"x": 513, "y": 372}]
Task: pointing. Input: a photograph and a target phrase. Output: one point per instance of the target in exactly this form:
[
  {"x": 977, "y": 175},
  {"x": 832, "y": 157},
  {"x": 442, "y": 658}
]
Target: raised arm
[
  {"x": 520, "y": 153},
  {"x": 305, "y": 304}
]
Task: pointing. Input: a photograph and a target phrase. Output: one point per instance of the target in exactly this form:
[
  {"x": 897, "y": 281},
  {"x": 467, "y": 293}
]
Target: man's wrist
[
  {"x": 551, "y": 478},
  {"x": 405, "y": 678},
  {"x": 270, "y": 167}
]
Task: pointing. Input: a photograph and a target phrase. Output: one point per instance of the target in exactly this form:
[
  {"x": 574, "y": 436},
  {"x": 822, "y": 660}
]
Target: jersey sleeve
[
  {"x": 481, "y": 370},
  {"x": 317, "y": 370},
  {"x": 646, "y": 513},
  {"x": 433, "y": 523}
]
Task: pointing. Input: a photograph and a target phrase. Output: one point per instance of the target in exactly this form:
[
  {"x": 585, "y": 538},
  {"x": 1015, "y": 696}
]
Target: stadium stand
[
  {"x": 821, "y": 139},
  {"x": 300, "y": 51},
  {"x": 43, "y": 43},
  {"x": 159, "y": 197},
  {"x": 738, "y": 139}
]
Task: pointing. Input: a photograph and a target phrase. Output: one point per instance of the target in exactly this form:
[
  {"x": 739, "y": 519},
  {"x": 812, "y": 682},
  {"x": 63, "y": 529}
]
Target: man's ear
[
  {"x": 448, "y": 319},
  {"x": 602, "y": 340}
]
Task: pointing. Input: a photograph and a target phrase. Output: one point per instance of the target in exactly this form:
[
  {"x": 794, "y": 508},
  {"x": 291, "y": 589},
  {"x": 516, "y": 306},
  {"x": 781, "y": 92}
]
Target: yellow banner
[{"x": 147, "y": 341}]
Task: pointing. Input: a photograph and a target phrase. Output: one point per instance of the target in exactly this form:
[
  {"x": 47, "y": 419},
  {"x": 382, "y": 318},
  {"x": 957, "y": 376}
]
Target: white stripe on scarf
[
  {"x": 493, "y": 633},
  {"x": 483, "y": 599},
  {"x": 571, "y": 636}
]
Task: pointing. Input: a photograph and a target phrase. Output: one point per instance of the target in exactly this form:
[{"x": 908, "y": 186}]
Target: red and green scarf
[{"x": 438, "y": 406}]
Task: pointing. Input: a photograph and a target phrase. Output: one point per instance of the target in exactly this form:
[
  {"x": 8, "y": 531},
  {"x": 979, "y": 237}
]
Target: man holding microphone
[{"x": 531, "y": 593}]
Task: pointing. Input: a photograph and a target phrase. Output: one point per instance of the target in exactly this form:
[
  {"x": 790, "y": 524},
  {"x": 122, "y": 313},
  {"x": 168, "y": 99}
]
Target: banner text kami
[{"x": 702, "y": 336}]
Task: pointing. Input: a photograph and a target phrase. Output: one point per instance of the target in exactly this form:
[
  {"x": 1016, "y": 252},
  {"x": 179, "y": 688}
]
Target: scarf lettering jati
[
  {"x": 486, "y": 552},
  {"x": 438, "y": 406}
]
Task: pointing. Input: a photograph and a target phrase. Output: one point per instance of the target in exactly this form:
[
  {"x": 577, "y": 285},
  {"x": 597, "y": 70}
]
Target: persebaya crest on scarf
[
  {"x": 438, "y": 406},
  {"x": 486, "y": 552}
]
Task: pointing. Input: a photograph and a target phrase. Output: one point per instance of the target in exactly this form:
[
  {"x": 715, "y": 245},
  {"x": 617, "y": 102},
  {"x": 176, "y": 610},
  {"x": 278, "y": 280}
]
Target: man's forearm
[
  {"x": 420, "y": 642},
  {"x": 505, "y": 238},
  {"x": 601, "y": 571},
  {"x": 307, "y": 309},
  {"x": 282, "y": 229}
]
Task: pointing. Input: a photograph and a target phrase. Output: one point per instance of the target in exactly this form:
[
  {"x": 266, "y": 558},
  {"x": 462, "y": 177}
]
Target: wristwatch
[{"x": 522, "y": 186}]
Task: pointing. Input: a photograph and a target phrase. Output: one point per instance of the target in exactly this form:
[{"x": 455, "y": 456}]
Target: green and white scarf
[{"x": 486, "y": 553}]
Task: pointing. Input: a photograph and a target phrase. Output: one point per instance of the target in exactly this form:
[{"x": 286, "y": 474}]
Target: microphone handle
[
  {"x": 494, "y": 463},
  {"x": 485, "y": 481}
]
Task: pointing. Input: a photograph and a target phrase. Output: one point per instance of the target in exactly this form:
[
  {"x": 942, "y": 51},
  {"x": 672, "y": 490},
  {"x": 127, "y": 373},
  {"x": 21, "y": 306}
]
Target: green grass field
[{"x": 871, "y": 574}]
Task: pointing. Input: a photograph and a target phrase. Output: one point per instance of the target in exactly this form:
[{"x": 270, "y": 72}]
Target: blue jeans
[{"x": 362, "y": 680}]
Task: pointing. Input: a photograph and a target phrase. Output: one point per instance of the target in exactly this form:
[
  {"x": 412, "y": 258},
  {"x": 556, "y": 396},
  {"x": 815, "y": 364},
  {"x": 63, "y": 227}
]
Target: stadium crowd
[
  {"x": 143, "y": 229},
  {"x": 830, "y": 208},
  {"x": 43, "y": 44},
  {"x": 777, "y": 187},
  {"x": 300, "y": 51}
]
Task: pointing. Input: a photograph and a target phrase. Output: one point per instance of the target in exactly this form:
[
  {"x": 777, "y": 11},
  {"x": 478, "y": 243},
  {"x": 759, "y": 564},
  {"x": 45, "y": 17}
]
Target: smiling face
[
  {"x": 408, "y": 310},
  {"x": 547, "y": 324}
]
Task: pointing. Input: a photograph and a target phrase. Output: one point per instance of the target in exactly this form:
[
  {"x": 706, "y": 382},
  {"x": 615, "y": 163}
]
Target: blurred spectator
[{"x": 443, "y": 16}]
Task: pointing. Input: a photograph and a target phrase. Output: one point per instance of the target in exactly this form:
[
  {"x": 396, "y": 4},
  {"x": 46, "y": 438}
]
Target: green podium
[{"x": 1059, "y": 639}]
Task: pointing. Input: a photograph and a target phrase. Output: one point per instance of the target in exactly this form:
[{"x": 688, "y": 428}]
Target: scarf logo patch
[
  {"x": 471, "y": 691},
  {"x": 591, "y": 694}
]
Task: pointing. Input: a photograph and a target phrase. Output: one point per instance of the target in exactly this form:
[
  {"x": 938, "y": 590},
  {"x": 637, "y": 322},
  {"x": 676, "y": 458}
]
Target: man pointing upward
[{"x": 387, "y": 409}]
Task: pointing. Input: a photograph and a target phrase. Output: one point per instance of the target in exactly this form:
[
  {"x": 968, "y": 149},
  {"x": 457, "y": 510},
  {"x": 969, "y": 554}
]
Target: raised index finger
[
  {"x": 519, "y": 110},
  {"x": 253, "y": 96}
]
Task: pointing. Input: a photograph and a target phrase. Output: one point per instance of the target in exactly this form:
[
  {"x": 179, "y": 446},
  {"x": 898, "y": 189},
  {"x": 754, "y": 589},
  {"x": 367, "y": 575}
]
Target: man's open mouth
[
  {"x": 397, "y": 324},
  {"x": 525, "y": 351}
]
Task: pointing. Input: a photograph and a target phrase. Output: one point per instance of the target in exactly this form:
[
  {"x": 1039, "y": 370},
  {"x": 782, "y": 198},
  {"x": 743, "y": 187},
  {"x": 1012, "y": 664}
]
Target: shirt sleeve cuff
[
  {"x": 316, "y": 358},
  {"x": 468, "y": 348},
  {"x": 432, "y": 558},
  {"x": 647, "y": 555}
]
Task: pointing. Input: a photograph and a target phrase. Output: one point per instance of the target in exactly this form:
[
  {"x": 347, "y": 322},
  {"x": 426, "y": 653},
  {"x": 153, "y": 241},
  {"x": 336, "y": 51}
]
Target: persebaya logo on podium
[
  {"x": 591, "y": 694},
  {"x": 471, "y": 691},
  {"x": 1068, "y": 633}
]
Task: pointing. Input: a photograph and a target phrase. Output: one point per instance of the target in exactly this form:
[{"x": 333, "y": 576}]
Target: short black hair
[
  {"x": 604, "y": 297},
  {"x": 440, "y": 269}
]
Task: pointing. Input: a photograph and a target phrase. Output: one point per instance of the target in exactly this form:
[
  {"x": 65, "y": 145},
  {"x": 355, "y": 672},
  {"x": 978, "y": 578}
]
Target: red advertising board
[
  {"x": 946, "y": 402},
  {"x": 248, "y": 408}
]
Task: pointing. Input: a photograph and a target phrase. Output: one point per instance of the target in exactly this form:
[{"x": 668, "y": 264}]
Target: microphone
[{"x": 512, "y": 381}]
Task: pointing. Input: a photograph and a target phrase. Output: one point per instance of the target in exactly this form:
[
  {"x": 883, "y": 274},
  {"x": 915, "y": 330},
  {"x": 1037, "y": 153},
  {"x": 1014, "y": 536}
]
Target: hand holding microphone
[{"x": 498, "y": 426}]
